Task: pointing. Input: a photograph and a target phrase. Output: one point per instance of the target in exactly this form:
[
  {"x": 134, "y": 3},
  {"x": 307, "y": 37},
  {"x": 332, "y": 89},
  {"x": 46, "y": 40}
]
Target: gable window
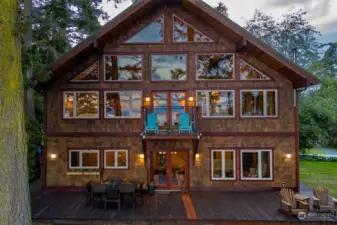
[
  {"x": 116, "y": 159},
  {"x": 216, "y": 103},
  {"x": 183, "y": 32},
  {"x": 256, "y": 164},
  {"x": 247, "y": 72},
  {"x": 123, "y": 104},
  {"x": 123, "y": 67},
  {"x": 80, "y": 104},
  {"x": 89, "y": 74},
  {"x": 215, "y": 67},
  {"x": 169, "y": 67},
  {"x": 83, "y": 159},
  {"x": 223, "y": 165},
  {"x": 153, "y": 33},
  {"x": 259, "y": 103}
]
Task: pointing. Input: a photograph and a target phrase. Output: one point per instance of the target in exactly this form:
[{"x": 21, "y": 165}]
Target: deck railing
[{"x": 170, "y": 120}]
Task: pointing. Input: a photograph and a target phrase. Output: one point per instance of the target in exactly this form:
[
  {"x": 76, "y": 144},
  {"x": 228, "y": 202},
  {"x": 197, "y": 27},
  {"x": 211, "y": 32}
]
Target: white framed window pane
[
  {"x": 265, "y": 164},
  {"x": 215, "y": 67},
  {"x": 87, "y": 105},
  {"x": 110, "y": 159},
  {"x": 221, "y": 103},
  {"x": 169, "y": 67},
  {"x": 217, "y": 164},
  {"x": 202, "y": 101},
  {"x": 121, "y": 159},
  {"x": 252, "y": 103},
  {"x": 123, "y": 104},
  {"x": 250, "y": 164},
  {"x": 68, "y": 105},
  {"x": 89, "y": 159},
  {"x": 123, "y": 67},
  {"x": 229, "y": 164},
  {"x": 74, "y": 159},
  {"x": 271, "y": 103}
]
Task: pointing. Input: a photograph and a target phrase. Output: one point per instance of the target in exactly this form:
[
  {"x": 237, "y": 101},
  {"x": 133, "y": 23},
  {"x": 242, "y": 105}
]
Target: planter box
[{"x": 83, "y": 173}]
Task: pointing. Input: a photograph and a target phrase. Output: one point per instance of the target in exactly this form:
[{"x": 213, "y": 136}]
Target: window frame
[
  {"x": 87, "y": 81},
  {"x": 188, "y": 24},
  {"x": 122, "y": 117},
  {"x": 259, "y": 151},
  {"x": 223, "y": 165},
  {"x": 207, "y": 103},
  {"x": 81, "y": 151},
  {"x": 118, "y": 55},
  {"x": 168, "y": 54},
  {"x": 75, "y": 102},
  {"x": 265, "y": 103},
  {"x": 253, "y": 67},
  {"x": 116, "y": 159},
  {"x": 220, "y": 53}
]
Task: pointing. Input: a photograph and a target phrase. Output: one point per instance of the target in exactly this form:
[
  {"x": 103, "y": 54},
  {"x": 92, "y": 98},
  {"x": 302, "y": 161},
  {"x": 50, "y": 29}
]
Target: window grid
[
  {"x": 259, "y": 152},
  {"x": 223, "y": 165},
  {"x": 81, "y": 160},
  {"x": 74, "y": 93},
  {"x": 116, "y": 159}
]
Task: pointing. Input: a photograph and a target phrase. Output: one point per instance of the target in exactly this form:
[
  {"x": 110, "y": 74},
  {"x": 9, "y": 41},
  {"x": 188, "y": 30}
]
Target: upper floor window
[
  {"x": 215, "y": 67},
  {"x": 83, "y": 159},
  {"x": 169, "y": 67},
  {"x": 247, "y": 72},
  {"x": 153, "y": 33},
  {"x": 183, "y": 32},
  {"x": 223, "y": 165},
  {"x": 80, "y": 104},
  {"x": 256, "y": 164},
  {"x": 259, "y": 103},
  {"x": 89, "y": 74},
  {"x": 116, "y": 159},
  {"x": 123, "y": 104},
  {"x": 123, "y": 67},
  {"x": 216, "y": 103}
]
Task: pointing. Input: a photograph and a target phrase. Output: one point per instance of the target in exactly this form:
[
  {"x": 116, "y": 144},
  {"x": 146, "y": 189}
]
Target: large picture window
[
  {"x": 81, "y": 104},
  {"x": 223, "y": 165},
  {"x": 216, "y": 103},
  {"x": 123, "y": 67},
  {"x": 168, "y": 67},
  {"x": 259, "y": 103},
  {"x": 256, "y": 164},
  {"x": 123, "y": 104},
  {"x": 215, "y": 67},
  {"x": 83, "y": 159},
  {"x": 116, "y": 159}
]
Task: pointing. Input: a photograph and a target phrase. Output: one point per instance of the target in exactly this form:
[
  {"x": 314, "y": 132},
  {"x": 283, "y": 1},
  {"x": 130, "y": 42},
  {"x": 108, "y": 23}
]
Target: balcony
[{"x": 175, "y": 122}]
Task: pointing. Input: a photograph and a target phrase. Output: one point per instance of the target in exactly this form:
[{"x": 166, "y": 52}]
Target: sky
[{"x": 320, "y": 13}]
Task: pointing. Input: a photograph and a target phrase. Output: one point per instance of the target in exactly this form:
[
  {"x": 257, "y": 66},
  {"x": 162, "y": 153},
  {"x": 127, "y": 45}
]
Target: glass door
[
  {"x": 160, "y": 169},
  {"x": 178, "y": 169},
  {"x": 160, "y": 106}
]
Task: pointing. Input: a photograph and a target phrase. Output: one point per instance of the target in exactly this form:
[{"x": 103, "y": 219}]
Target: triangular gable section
[
  {"x": 89, "y": 74},
  {"x": 248, "y": 72},
  {"x": 184, "y": 32},
  {"x": 153, "y": 33}
]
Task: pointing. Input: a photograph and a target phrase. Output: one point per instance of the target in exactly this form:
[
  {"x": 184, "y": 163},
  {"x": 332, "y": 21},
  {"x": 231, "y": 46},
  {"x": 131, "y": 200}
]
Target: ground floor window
[
  {"x": 116, "y": 159},
  {"x": 256, "y": 164},
  {"x": 83, "y": 159},
  {"x": 223, "y": 165}
]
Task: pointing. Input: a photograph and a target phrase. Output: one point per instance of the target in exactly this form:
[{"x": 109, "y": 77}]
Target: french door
[{"x": 169, "y": 169}]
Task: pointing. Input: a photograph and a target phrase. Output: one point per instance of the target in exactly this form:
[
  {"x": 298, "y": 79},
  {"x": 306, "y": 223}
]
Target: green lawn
[
  {"x": 315, "y": 151},
  {"x": 314, "y": 173}
]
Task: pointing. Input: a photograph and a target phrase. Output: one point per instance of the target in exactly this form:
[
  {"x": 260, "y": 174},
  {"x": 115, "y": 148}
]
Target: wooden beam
[{"x": 242, "y": 45}]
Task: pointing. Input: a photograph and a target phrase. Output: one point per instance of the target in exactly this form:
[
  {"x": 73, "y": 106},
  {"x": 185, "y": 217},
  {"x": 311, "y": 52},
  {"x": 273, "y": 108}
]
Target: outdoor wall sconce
[
  {"x": 288, "y": 156},
  {"x": 197, "y": 156},
  {"x": 53, "y": 156},
  {"x": 191, "y": 99},
  {"x": 141, "y": 156},
  {"x": 147, "y": 99}
]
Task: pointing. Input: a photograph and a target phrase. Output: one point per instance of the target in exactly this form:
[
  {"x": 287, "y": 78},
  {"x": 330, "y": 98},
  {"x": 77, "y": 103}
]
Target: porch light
[
  {"x": 197, "y": 156},
  {"x": 191, "y": 99},
  {"x": 288, "y": 156},
  {"x": 53, "y": 156},
  {"x": 141, "y": 156},
  {"x": 147, "y": 99}
]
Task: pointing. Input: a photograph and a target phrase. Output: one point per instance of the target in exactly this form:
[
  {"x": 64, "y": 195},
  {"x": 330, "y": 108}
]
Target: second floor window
[
  {"x": 259, "y": 103},
  {"x": 123, "y": 104},
  {"x": 168, "y": 67},
  {"x": 123, "y": 67},
  {"x": 215, "y": 67},
  {"x": 81, "y": 104},
  {"x": 216, "y": 103}
]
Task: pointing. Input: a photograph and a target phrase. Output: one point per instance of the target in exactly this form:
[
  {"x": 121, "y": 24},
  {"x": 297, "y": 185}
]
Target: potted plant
[
  {"x": 183, "y": 187},
  {"x": 152, "y": 186},
  {"x": 167, "y": 128}
]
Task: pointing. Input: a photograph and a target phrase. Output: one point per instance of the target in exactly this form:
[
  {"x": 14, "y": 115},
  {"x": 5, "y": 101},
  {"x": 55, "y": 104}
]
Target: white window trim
[
  {"x": 223, "y": 162},
  {"x": 116, "y": 159},
  {"x": 228, "y": 53},
  {"x": 259, "y": 163},
  {"x": 169, "y": 54},
  {"x": 207, "y": 103},
  {"x": 268, "y": 78},
  {"x": 120, "y": 117},
  {"x": 80, "y": 159},
  {"x": 141, "y": 80},
  {"x": 87, "y": 81},
  {"x": 75, "y": 102},
  {"x": 265, "y": 103}
]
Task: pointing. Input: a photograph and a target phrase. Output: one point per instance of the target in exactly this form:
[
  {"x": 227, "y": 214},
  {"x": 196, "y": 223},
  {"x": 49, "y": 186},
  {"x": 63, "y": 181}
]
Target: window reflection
[
  {"x": 223, "y": 164},
  {"x": 123, "y": 68},
  {"x": 89, "y": 74},
  {"x": 86, "y": 105},
  {"x": 216, "y": 103},
  {"x": 68, "y": 105},
  {"x": 185, "y": 33},
  {"x": 215, "y": 67},
  {"x": 152, "y": 33},
  {"x": 123, "y": 104},
  {"x": 247, "y": 72},
  {"x": 168, "y": 67},
  {"x": 258, "y": 103}
]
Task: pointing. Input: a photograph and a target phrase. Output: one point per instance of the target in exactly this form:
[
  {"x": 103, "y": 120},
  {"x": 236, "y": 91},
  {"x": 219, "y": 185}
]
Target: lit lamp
[
  {"x": 197, "y": 156},
  {"x": 53, "y": 156},
  {"x": 141, "y": 156},
  {"x": 288, "y": 156},
  {"x": 191, "y": 101},
  {"x": 147, "y": 101}
]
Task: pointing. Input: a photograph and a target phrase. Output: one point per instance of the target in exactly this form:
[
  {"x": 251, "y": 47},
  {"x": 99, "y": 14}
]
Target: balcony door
[
  {"x": 168, "y": 106},
  {"x": 169, "y": 169}
]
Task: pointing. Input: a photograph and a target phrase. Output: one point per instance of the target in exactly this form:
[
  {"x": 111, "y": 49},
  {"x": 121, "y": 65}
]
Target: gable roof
[{"x": 244, "y": 40}]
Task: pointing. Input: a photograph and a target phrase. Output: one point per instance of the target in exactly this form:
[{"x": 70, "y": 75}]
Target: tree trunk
[
  {"x": 14, "y": 189},
  {"x": 29, "y": 93}
]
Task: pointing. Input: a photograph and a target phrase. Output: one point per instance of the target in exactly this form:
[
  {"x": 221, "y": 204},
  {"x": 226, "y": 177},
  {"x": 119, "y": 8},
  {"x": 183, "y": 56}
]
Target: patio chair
[
  {"x": 287, "y": 199},
  {"x": 185, "y": 124},
  {"x": 90, "y": 194},
  {"x": 321, "y": 199},
  {"x": 112, "y": 195},
  {"x": 128, "y": 189},
  {"x": 151, "y": 124}
]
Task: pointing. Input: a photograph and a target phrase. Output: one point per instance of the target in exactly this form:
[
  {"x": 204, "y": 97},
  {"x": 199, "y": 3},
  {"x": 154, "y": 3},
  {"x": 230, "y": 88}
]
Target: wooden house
[{"x": 223, "y": 102}]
